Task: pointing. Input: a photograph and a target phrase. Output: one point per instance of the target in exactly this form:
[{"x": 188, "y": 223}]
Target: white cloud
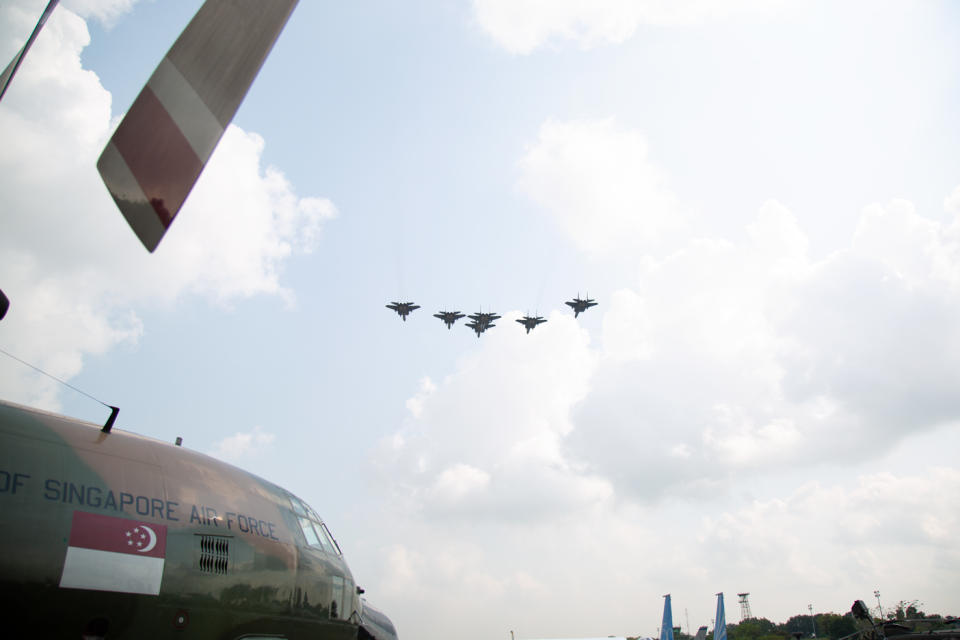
[
  {"x": 875, "y": 327},
  {"x": 457, "y": 482},
  {"x": 74, "y": 272},
  {"x": 825, "y": 540},
  {"x": 884, "y": 529},
  {"x": 597, "y": 181},
  {"x": 752, "y": 357},
  {"x": 744, "y": 356},
  {"x": 951, "y": 204},
  {"x": 521, "y": 26},
  {"x": 485, "y": 442},
  {"x": 106, "y": 11},
  {"x": 415, "y": 404},
  {"x": 239, "y": 226},
  {"x": 243, "y": 445}
]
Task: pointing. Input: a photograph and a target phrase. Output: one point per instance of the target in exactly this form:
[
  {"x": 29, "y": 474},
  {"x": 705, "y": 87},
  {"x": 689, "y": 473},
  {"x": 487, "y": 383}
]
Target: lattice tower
[{"x": 744, "y": 606}]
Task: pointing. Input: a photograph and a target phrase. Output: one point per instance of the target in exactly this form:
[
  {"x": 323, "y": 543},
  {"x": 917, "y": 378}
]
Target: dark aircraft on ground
[
  {"x": 449, "y": 317},
  {"x": 114, "y": 535},
  {"x": 531, "y": 322},
  {"x": 917, "y": 628},
  {"x": 403, "y": 309},
  {"x": 579, "y": 306}
]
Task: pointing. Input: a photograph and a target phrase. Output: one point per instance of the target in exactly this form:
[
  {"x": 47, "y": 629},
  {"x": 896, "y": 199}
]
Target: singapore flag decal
[{"x": 114, "y": 554}]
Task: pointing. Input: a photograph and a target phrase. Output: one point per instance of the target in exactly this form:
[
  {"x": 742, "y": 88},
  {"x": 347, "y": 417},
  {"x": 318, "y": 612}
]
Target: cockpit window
[
  {"x": 330, "y": 540},
  {"x": 308, "y": 532},
  {"x": 314, "y": 531},
  {"x": 298, "y": 507}
]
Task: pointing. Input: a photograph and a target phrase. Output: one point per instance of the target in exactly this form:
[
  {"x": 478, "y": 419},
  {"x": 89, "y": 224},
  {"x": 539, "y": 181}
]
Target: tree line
[{"x": 826, "y": 625}]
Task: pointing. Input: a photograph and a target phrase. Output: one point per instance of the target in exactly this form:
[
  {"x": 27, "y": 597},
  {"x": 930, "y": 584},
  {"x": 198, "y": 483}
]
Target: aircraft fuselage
[{"x": 119, "y": 535}]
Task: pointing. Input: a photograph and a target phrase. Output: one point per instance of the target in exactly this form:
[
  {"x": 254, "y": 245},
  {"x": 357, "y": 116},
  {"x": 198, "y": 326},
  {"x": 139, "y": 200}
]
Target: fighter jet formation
[{"x": 481, "y": 321}]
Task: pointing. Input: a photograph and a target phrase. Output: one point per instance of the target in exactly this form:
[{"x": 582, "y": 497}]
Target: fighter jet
[
  {"x": 403, "y": 309},
  {"x": 476, "y": 328},
  {"x": 484, "y": 319},
  {"x": 480, "y": 316},
  {"x": 448, "y": 317},
  {"x": 579, "y": 306},
  {"x": 531, "y": 322},
  {"x": 481, "y": 321},
  {"x": 479, "y": 327}
]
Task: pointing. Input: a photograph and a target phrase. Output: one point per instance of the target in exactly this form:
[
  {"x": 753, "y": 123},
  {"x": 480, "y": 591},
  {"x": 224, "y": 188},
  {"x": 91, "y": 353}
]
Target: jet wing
[{"x": 163, "y": 143}]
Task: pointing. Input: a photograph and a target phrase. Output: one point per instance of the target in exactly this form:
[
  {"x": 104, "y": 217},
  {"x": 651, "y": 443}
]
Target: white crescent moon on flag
[{"x": 153, "y": 540}]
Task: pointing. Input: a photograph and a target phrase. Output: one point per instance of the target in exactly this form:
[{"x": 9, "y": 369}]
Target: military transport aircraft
[
  {"x": 106, "y": 534},
  {"x": 109, "y": 534},
  {"x": 531, "y": 322},
  {"x": 449, "y": 317},
  {"x": 403, "y": 309},
  {"x": 579, "y": 306}
]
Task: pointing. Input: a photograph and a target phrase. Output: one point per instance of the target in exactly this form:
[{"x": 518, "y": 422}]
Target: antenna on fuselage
[
  {"x": 113, "y": 410},
  {"x": 113, "y": 418}
]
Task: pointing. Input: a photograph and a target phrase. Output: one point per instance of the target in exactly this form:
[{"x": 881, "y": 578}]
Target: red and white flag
[
  {"x": 114, "y": 554},
  {"x": 162, "y": 144}
]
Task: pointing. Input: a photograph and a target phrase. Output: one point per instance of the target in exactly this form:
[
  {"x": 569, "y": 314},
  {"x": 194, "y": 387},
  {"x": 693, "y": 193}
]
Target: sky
[{"x": 763, "y": 198}]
